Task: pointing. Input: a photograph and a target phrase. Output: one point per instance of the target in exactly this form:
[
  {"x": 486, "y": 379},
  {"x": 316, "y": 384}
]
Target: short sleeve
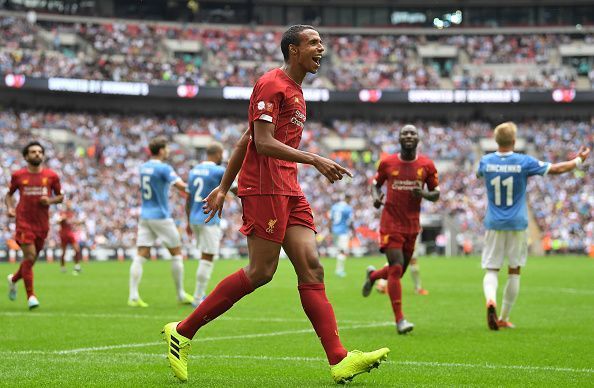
[
  {"x": 381, "y": 174},
  {"x": 266, "y": 102},
  {"x": 432, "y": 179},
  {"x": 14, "y": 184},
  {"x": 169, "y": 174},
  {"x": 56, "y": 185},
  {"x": 534, "y": 166}
]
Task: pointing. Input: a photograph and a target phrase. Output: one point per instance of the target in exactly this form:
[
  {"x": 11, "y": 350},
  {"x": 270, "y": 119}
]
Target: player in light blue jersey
[
  {"x": 156, "y": 177},
  {"x": 506, "y": 174},
  {"x": 202, "y": 180},
  {"x": 341, "y": 216}
]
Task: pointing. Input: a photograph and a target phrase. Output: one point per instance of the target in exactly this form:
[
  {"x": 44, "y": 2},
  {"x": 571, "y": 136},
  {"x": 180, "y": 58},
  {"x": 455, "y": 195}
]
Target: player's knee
[{"x": 261, "y": 275}]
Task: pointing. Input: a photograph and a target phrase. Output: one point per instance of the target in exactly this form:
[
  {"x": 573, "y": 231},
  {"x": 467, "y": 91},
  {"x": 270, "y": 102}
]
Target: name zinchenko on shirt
[{"x": 504, "y": 168}]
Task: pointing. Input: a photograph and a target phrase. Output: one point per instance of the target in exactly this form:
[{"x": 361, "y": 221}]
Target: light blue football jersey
[
  {"x": 506, "y": 176},
  {"x": 341, "y": 214},
  {"x": 202, "y": 180},
  {"x": 155, "y": 179}
]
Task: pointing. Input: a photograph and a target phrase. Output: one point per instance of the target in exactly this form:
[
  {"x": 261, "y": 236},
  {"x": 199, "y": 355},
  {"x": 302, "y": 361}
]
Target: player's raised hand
[
  {"x": 213, "y": 203},
  {"x": 584, "y": 152},
  {"x": 330, "y": 169}
]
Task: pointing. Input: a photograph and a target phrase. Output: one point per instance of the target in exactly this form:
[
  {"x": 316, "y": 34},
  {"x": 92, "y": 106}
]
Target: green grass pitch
[{"x": 84, "y": 334}]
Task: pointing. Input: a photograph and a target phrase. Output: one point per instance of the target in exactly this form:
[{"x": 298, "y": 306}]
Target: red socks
[
  {"x": 379, "y": 274},
  {"x": 26, "y": 271},
  {"x": 395, "y": 290},
  {"x": 321, "y": 315},
  {"x": 222, "y": 298}
]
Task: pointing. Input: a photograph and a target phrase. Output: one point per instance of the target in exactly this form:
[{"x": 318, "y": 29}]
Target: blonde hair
[
  {"x": 505, "y": 134},
  {"x": 214, "y": 148}
]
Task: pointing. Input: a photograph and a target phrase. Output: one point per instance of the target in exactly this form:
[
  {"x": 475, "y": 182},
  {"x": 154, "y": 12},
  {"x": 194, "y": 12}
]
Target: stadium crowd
[
  {"x": 98, "y": 167},
  {"x": 237, "y": 56}
]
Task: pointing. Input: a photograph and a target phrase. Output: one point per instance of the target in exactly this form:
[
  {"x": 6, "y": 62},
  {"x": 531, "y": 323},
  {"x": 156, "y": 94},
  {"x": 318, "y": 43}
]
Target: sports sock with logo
[{"x": 321, "y": 315}]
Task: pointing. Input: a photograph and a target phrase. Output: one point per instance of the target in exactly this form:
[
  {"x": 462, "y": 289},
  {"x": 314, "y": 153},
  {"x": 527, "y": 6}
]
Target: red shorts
[
  {"x": 404, "y": 241},
  {"x": 269, "y": 216},
  {"x": 25, "y": 235},
  {"x": 67, "y": 238}
]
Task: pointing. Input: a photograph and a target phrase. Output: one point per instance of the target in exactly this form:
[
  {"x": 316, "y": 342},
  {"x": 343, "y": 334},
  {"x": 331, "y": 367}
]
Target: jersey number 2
[
  {"x": 508, "y": 183},
  {"x": 199, "y": 185}
]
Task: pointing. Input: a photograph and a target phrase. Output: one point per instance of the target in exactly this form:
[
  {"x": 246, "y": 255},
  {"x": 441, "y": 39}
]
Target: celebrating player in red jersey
[
  {"x": 68, "y": 237},
  {"x": 406, "y": 174},
  {"x": 36, "y": 185},
  {"x": 275, "y": 212}
]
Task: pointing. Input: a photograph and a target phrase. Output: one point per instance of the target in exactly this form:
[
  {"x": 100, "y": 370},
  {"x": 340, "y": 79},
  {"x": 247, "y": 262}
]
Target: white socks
[
  {"x": 490, "y": 286},
  {"x": 510, "y": 294},
  {"x": 177, "y": 271},
  {"x": 135, "y": 276},
  {"x": 340, "y": 261},
  {"x": 416, "y": 277},
  {"x": 203, "y": 274}
]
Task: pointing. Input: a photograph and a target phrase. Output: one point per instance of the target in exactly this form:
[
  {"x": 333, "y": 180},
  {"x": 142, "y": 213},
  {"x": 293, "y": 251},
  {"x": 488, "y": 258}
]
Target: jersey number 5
[
  {"x": 508, "y": 183},
  {"x": 147, "y": 193}
]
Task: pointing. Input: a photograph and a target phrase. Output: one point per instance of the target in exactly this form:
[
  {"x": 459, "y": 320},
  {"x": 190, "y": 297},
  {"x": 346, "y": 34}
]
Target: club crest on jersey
[
  {"x": 25, "y": 181},
  {"x": 44, "y": 181},
  {"x": 420, "y": 172},
  {"x": 271, "y": 225},
  {"x": 296, "y": 100},
  {"x": 269, "y": 106},
  {"x": 261, "y": 105},
  {"x": 395, "y": 173}
]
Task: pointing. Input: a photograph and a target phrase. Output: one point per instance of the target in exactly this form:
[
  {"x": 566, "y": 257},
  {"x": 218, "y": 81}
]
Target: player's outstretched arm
[
  {"x": 46, "y": 201},
  {"x": 214, "y": 202},
  {"x": 267, "y": 145},
  {"x": 570, "y": 165}
]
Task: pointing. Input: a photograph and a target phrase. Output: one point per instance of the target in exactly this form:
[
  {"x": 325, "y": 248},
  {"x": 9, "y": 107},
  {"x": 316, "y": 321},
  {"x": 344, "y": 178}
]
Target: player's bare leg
[
  {"x": 63, "y": 258},
  {"x": 77, "y": 257},
  {"x": 203, "y": 274},
  {"x": 25, "y": 272},
  {"x": 177, "y": 271},
  {"x": 397, "y": 264},
  {"x": 300, "y": 246},
  {"x": 138, "y": 261},
  {"x": 490, "y": 289},
  {"x": 416, "y": 277},
  {"x": 510, "y": 294}
]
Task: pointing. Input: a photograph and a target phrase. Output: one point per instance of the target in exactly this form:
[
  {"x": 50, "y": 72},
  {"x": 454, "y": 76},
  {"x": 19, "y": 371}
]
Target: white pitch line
[
  {"x": 40, "y": 314},
  {"x": 207, "y": 339},
  {"x": 136, "y": 356}
]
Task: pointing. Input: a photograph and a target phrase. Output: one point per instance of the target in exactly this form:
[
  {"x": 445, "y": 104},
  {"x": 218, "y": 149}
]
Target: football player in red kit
[
  {"x": 38, "y": 187},
  {"x": 68, "y": 237},
  {"x": 275, "y": 212},
  {"x": 410, "y": 177}
]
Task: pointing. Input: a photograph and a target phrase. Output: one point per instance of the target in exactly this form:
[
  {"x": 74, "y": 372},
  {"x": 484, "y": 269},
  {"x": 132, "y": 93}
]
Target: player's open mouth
[{"x": 317, "y": 60}]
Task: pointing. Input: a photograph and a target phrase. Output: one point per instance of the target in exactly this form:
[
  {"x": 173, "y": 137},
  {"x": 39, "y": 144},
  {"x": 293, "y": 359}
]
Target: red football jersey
[
  {"x": 279, "y": 100},
  {"x": 31, "y": 214},
  {"x": 65, "y": 221},
  {"x": 402, "y": 209}
]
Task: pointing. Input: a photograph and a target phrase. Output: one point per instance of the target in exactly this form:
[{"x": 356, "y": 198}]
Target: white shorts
[
  {"x": 341, "y": 241},
  {"x": 500, "y": 244},
  {"x": 163, "y": 229},
  {"x": 208, "y": 238}
]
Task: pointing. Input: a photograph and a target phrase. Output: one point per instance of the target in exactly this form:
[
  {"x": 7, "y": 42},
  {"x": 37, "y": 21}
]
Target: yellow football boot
[
  {"x": 357, "y": 362},
  {"x": 178, "y": 348}
]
